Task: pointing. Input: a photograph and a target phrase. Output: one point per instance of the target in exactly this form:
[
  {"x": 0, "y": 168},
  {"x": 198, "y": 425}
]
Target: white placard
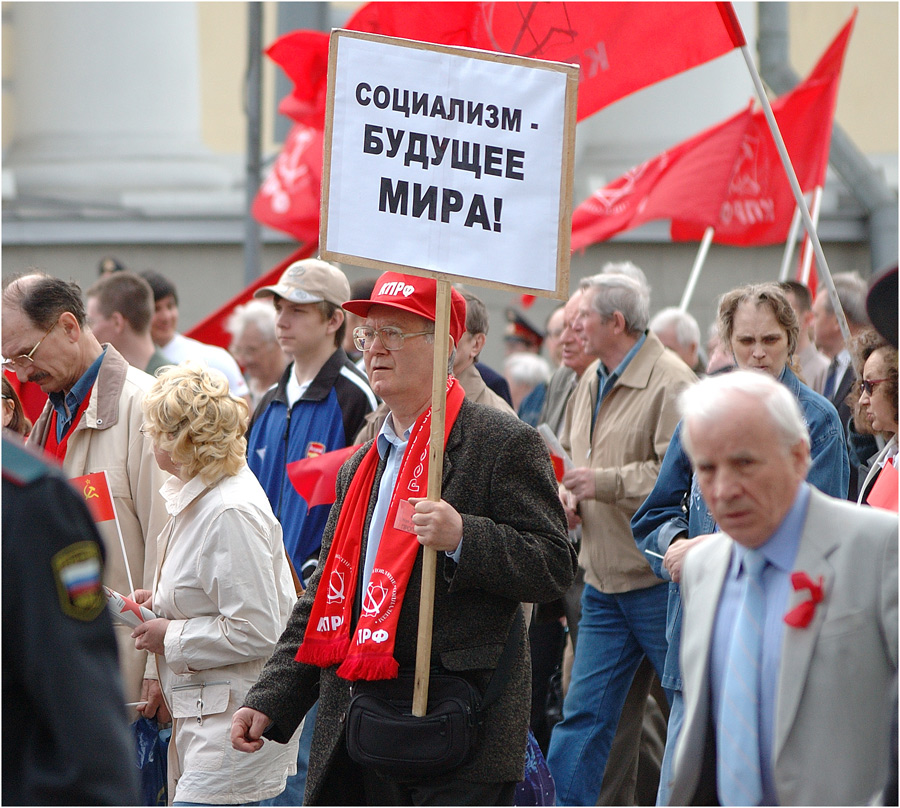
[{"x": 448, "y": 160}]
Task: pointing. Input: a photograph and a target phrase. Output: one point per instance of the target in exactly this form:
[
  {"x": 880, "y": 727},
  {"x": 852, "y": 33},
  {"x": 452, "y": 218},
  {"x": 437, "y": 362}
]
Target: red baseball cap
[{"x": 414, "y": 294}]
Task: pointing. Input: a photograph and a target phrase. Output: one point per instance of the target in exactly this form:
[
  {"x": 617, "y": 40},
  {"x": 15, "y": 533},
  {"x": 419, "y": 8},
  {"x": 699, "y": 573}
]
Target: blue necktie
[
  {"x": 737, "y": 740},
  {"x": 830, "y": 379}
]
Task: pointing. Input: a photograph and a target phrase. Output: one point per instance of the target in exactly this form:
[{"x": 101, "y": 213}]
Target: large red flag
[
  {"x": 760, "y": 204},
  {"x": 288, "y": 199},
  {"x": 303, "y": 55},
  {"x": 619, "y": 47},
  {"x": 690, "y": 181}
]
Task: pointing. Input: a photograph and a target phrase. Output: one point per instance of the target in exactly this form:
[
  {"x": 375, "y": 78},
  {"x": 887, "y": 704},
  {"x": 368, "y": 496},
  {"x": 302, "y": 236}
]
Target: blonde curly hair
[{"x": 190, "y": 413}]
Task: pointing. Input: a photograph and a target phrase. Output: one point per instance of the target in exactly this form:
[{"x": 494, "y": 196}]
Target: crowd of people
[{"x": 698, "y": 605}]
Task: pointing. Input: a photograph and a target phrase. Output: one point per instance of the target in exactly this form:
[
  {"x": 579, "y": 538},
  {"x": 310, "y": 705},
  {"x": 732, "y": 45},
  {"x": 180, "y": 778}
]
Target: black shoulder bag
[{"x": 383, "y": 734}]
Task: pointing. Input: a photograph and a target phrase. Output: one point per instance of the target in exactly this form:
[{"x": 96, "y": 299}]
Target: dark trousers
[
  {"x": 348, "y": 783},
  {"x": 435, "y": 791}
]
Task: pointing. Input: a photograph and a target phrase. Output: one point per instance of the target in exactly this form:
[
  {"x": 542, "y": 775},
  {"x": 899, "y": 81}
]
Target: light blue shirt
[
  {"x": 781, "y": 552},
  {"x": 388, "y": 443},
  {"x": 393, "y": 446},
  {"x": 66, "y": 405},
  {"x": 607, "y": 380}
]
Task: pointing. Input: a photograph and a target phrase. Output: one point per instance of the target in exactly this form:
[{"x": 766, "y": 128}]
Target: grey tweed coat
[{"x": 515, "y": 549}]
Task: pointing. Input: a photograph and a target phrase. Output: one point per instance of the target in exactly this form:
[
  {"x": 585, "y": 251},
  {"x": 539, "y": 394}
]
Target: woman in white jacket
[{"x": 222, "y": 591}]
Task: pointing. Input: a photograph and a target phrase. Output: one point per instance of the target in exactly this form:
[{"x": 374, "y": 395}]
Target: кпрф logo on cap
[{"x": 397, "y": 288}]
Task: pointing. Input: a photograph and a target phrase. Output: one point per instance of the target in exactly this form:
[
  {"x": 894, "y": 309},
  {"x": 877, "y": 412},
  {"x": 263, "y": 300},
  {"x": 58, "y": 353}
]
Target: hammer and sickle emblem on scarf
[
  {"x": 335, "y": 587},
  {"x": 375, "y": 595}
]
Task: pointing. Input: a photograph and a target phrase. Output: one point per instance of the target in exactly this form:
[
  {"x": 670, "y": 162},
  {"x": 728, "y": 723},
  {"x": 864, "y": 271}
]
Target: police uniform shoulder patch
[{"x": 77, "y": 571}]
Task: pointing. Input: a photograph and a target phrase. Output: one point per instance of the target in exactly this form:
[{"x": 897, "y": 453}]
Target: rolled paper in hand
[{"x": 125, "y": 610}]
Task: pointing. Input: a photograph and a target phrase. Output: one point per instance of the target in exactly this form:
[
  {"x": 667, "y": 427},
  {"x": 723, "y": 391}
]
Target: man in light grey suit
[{"x": 824, "y": 684}]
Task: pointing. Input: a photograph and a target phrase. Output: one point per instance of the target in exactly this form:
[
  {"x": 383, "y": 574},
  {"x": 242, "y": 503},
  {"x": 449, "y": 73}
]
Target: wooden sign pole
[{"x": 435, "y": 473}]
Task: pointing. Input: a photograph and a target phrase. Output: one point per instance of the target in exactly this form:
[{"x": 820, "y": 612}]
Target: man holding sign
[{"x": 500, "y": 536}]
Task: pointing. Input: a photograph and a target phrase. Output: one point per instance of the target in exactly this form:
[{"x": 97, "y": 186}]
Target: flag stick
[
  {"x": 697, "y": 268},
  {"x": 435, "y": 474},
  {"x": 119, "y": 531},
  {"x": 798, "y": 194},
  {"x": 806, "y": 264},
  {"x": 788, "y": 256}
]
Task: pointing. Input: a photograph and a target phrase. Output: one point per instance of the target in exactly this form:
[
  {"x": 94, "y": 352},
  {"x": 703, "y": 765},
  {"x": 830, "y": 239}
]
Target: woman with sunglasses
[{"x": 875, "y": 362}]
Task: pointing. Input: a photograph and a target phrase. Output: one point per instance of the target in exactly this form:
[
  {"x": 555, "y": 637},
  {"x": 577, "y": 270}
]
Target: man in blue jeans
[{"x": 618, "y": 426}]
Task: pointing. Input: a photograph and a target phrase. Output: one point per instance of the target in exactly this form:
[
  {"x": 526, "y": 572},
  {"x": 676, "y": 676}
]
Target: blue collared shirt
[
  {"x": 66, "y": 405},
  {"x": 393, "y": 446},
  {"x": 606, "y": 380},
  {"x": 781, "y": 552},
  {"x": 390, "y": 444}
]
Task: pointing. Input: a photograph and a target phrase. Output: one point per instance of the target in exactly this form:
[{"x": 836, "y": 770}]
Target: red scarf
[
  {"x": 327, "y": 641},
  {"x": 55, "y": 447}
]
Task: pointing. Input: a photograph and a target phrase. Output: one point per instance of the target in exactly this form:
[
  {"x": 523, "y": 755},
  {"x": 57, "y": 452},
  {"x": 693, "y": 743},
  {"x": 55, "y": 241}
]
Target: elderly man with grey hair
[
  {"x": 679, "y": 332},
  {"x": 790, "y": 615},
  {"x": 618, "y": 426},
  {"x": 255, "y": 347}
]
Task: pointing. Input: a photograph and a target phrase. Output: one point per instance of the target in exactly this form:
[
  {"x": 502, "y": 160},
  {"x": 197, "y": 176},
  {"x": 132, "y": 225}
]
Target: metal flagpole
[
  {"x": 798, "y": 194},
  {"x": 789, "y": 246},
  {"x": 807, "y": 252},
  {"x": 253, "y": 110},
  {"x": 697, "y": 268}
]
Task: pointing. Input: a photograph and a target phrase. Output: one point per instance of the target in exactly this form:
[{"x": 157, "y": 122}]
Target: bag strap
[{"x": 504, "y": 665}]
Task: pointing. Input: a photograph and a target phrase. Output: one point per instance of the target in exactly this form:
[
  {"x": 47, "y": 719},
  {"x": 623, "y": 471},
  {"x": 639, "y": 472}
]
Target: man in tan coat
[
  {"x": 92, "y": 423},
  {"x": 618, "y": 426}
]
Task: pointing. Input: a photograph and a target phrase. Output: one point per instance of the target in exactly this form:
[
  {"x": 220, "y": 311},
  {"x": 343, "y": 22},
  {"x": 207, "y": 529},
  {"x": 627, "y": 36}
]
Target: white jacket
[{"x": 224, "y": 583}]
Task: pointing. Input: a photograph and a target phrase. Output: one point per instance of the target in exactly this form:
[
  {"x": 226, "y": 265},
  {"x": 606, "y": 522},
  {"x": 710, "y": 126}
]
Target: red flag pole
[
  {"x": 697, "y": 268},
  {"x": 798, "y": 194}
]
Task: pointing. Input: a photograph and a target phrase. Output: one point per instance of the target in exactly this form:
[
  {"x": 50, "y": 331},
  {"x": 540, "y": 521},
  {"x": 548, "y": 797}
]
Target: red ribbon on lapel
[{"x": 802, "y": 614}]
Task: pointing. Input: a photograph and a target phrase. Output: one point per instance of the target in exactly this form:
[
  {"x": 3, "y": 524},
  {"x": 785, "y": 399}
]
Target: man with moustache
[{"x": 92, "y": 423}]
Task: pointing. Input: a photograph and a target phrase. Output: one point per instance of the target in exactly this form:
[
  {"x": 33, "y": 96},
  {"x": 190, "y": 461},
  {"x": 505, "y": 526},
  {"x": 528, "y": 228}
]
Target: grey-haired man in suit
[{"x": 795, "y": 602}]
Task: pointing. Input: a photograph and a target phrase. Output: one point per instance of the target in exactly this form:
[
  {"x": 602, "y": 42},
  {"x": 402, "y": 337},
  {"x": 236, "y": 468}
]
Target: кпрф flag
[
  {"x": 760, "y": 204},
  {"x": 689, "y": 180}
]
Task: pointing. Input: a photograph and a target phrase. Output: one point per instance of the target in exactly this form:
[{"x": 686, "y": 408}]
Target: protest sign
[{"x": 450, "y": 161}]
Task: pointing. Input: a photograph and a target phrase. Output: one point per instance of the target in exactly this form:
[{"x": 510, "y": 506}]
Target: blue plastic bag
[
  {"x": 151, "y": 746},
  {"x": 537, "y": 788}
]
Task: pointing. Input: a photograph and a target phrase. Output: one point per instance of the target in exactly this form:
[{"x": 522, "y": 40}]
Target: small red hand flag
[
  {"x": 314, "y": 478},
  {"x": 95, "y": 490}
]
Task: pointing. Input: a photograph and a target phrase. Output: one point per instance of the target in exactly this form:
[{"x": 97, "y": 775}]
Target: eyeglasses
[
  {"x": 391, "y": 338},
  {"x": 25, "y": 361},
  {"x": 869, "y": 385}
]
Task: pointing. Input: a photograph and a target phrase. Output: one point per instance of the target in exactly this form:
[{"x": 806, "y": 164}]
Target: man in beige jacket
[
  {"x": 92, "y": 423},
  {"x": 618, "y": 426}
]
